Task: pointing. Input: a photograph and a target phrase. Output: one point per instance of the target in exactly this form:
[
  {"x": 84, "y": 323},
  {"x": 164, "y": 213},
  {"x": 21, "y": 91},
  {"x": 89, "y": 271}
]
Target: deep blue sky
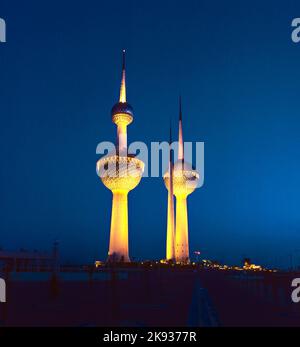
[{"x": 238, "y": 72}]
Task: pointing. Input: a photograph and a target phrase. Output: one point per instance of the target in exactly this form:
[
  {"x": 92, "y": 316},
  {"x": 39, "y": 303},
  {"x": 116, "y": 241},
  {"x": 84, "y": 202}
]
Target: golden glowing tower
[
  {"x": 185, "y": 180},
  {"x": 120, "y": 172},
  {"x": 168, "y": 178}
]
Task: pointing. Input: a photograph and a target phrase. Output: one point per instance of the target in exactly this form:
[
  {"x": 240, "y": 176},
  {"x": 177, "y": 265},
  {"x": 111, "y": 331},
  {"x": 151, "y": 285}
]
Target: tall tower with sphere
[
  {"x": 120, "y": 172},
  {"x": 185, "y": 180}
]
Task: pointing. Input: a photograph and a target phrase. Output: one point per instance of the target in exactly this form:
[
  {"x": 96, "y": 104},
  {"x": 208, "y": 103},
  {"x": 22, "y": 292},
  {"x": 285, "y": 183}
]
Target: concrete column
[
  {"x": 182, "y": 234},
  {"x": 118, "y": 245}
]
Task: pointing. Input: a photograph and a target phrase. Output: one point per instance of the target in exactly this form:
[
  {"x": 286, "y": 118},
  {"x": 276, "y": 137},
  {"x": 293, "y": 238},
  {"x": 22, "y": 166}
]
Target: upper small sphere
[{"x": 122, "y": 108}]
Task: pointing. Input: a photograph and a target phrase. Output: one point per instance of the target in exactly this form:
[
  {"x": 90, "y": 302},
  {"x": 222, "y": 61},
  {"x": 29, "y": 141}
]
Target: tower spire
[
  {"x": 180, "y": 109},
  {"x": 123, "y": 81},
  {"x": 180, "y": 135}
]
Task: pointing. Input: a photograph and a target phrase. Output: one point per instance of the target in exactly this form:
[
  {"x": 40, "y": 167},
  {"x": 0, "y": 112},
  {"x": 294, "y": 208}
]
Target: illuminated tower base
[
  {"x": 170, "y": 249},
  {"x": 119, "y": 174},
  {"x": 182, "y": 231},
  {"x": 118, "y": 243}
]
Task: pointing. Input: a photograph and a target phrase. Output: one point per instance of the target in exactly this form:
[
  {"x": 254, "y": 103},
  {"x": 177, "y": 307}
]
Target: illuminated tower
[
  {"x": 185, "y": 180},
  {"x": 168, "y": 178},
  {"x": 120, "y": 172}
]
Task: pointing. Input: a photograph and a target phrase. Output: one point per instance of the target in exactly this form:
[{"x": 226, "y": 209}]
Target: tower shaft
[
  {"x": 122, "y": 138},
  {"x": 170, "y": 246},
  {"x": 170, "y": 249},
  {"x": 182, "y": 233},
  {"x": 118, "y": 244}
]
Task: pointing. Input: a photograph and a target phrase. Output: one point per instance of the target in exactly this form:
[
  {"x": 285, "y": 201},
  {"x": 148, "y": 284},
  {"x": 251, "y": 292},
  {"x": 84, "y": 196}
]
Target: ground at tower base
[{"x": 148, "y": 295}]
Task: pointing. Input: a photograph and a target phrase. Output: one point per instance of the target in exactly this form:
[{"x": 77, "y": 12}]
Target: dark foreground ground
[{"x": 153, "y": 297}]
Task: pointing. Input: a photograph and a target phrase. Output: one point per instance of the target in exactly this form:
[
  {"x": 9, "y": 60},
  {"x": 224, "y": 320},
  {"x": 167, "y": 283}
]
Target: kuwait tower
[
  {"x": 120, "y": 172},
  {"x": 185, "y": 180}
]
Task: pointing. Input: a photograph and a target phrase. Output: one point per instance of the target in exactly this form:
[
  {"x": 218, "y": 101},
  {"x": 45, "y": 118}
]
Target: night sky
[{"x": 238, "y": 72}]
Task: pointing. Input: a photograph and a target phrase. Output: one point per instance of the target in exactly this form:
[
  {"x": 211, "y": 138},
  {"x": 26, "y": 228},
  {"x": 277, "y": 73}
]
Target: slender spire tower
[
  {"x": 180, "y": 134},
  {"x": 184, "y": 183},
  {"x": 168, "y": 178},
  {"x": 120, "y": 119},
  {"x": 123, "y": 81},
  {"x": 120, "y": 173}
]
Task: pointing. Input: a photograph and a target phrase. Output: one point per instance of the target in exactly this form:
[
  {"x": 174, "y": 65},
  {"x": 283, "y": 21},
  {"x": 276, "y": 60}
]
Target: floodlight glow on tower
[
  {"x": 185, "y": 180},
  {"x": 120, "y": 172}
]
